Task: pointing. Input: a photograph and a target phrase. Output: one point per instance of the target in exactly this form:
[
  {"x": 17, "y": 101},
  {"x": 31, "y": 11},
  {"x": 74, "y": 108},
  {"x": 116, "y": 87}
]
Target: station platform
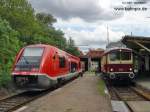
[
  {"x": 144, "y": 82},
  {"x": 80, "y": 95}
]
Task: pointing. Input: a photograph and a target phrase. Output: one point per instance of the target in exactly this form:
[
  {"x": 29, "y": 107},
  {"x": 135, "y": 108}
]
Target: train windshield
[
  {"x": 114, "y": 56},
  {"x": 120, "y": 55},
  {"x": 125, "y": 56},
  {"x": 30, "y": 59},
  {"x": 33, "y": 51}
]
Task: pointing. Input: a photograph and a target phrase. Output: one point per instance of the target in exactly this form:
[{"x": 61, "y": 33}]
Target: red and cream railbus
[{"x": 117, "y": 63}]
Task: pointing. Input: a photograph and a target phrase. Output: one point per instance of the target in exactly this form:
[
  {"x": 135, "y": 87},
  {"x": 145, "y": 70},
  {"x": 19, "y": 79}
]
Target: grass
[
  {"x": 101, "y": 84},
  {"x": 101, "y": 87}
]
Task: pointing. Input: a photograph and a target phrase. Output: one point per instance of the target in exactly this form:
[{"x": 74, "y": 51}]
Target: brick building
[{"x": 92, "y": 59}]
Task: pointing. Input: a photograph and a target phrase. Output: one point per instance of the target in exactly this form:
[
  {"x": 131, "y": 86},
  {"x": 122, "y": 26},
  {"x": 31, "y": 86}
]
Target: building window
[{"x": 62, "y": 62}]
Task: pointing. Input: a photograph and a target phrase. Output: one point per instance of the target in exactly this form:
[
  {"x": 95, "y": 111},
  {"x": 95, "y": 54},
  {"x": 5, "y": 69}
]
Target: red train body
[
  {"x": 117, "y": 63},
  {"x": 41, "y": 66}
]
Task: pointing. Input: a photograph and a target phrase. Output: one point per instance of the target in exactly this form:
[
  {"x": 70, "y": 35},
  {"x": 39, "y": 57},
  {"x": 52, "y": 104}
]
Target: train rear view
[
  {"x": 27, "y": 66},
  {"x": 30, "y": 59}
]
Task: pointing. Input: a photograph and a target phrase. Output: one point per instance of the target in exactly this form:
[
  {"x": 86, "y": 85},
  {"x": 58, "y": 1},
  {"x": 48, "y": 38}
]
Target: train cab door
[{"x": 55, "y": 62}]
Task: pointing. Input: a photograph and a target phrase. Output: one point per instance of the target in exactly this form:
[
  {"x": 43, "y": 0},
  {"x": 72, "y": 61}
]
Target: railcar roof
[
  {"x": 39, "y": 45},
  {"x": 46, "y": 45},
  {"x": 72, "y": 56},
  {"x": 115, "y": 48}
]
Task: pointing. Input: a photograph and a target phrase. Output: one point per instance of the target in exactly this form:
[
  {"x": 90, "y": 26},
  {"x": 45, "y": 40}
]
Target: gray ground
[
  {"x": 81, "y": 95},
  {"x": 144, "y": 82},
  {"x": 8, "y": 91}
]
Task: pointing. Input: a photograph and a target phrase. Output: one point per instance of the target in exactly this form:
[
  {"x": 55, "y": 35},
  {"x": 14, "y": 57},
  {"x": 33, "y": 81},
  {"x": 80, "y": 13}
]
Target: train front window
[
  {"x": 33, "y": 51},
  {"x": 120, "y": 55},
  {"x": 30, "y": 59},
  {"x": 114, "y": 56},
  {"x": 125, "y": 56}
]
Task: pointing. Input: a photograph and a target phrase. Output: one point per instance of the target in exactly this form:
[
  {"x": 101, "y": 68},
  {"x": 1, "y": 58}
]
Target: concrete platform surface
[
  {"x": 81, "y": 95},
  {"x": 140, "y": 106},
  {"x": 119, "y": 106},
  {"x": 145, "y": 83}
]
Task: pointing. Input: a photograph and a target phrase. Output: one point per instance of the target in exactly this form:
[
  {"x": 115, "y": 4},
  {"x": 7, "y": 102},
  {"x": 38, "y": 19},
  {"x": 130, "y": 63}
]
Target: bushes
[
  {"x": 4, "y": 79},
  {"x": 9, "y": 45}
]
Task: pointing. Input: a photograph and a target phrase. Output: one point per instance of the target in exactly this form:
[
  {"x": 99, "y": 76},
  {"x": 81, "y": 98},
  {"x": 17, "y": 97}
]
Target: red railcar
[
  {"x": 42, "y": 66},
  {"x": 117, "y": 63}
]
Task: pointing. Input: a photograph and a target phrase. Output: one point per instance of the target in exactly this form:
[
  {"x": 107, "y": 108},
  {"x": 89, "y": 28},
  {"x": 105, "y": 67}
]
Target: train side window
[{"x": 62, "y": 62}]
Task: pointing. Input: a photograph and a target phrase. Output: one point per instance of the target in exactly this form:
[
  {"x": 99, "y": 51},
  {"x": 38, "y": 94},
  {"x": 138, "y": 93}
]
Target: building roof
[
  {"x": 95, "y": 53},
  {"x": 81, "y": 53},
  {"x": 130, "y": 41}
]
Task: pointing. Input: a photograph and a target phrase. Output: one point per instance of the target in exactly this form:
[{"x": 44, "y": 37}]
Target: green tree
[
  {"x": 45, "y": 18},
  {"x": 71, "y": 48},
  {"x": 9, "y": 45},
  {"x": 32, "y": 28},
  {"x": 21, "y": 17},
  {"x": 49, "y": 34}
]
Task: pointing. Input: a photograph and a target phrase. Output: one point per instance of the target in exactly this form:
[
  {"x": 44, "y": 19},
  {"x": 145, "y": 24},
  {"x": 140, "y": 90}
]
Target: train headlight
[
  {"x": 130, "y": 69},
  {"x": 111, "y": 69}
]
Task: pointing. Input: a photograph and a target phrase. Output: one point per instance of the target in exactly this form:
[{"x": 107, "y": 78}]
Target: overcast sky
[{"x": 86, "y": 21}]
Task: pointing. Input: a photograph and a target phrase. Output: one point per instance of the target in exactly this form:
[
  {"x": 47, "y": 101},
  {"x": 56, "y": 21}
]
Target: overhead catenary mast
[
  {"x": 131, "y": 33},
  {"x": 107, "y": 35}
]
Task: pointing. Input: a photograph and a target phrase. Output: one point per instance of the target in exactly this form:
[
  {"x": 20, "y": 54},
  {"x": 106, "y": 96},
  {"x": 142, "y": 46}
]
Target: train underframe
[
  {"x": 40, "y": 82},
  {"x": 120, "y": 75}
]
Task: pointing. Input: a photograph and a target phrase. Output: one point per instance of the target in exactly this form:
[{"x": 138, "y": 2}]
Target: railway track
[
  {"x": 14, "y": 102},
  {"x": 128, "y": 93}
]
